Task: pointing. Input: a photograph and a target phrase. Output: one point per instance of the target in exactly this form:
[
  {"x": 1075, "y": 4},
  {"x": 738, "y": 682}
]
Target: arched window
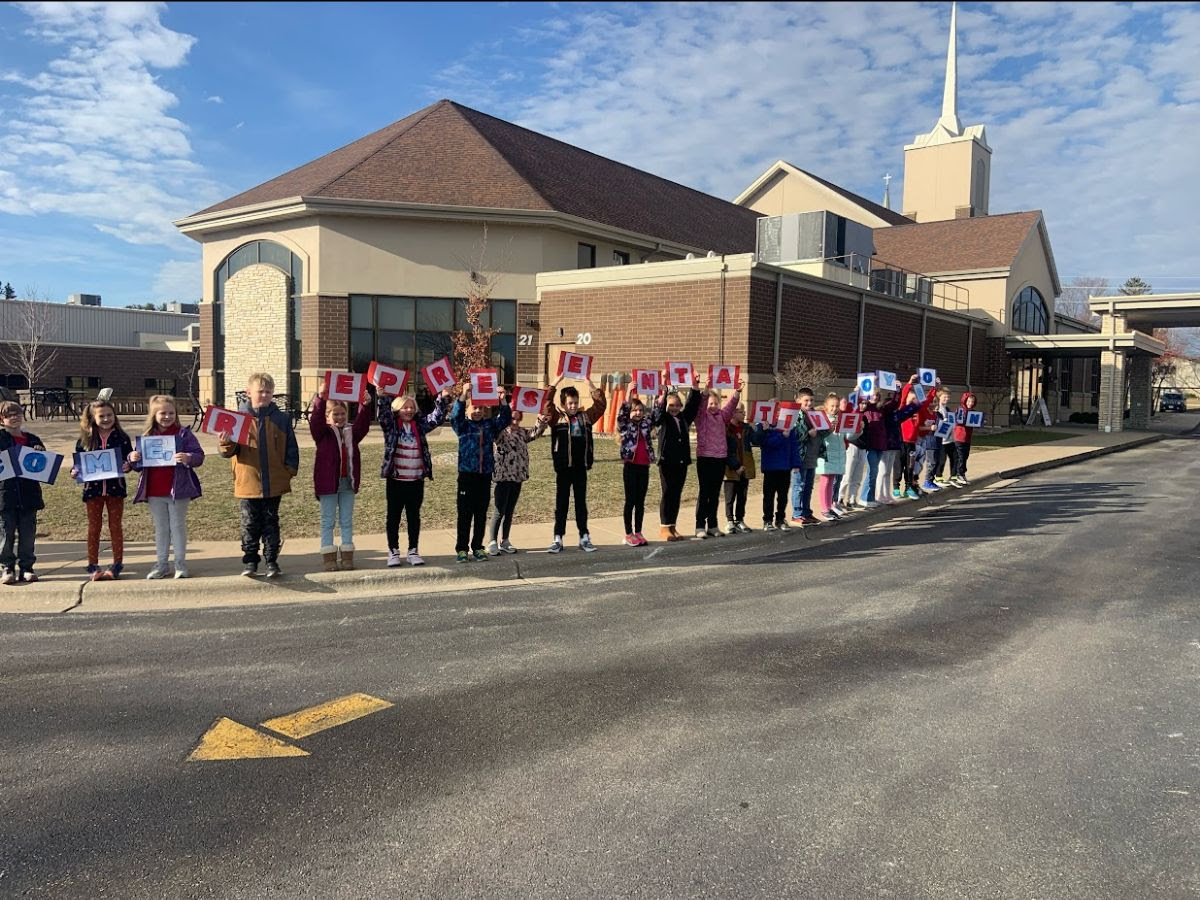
[
  {"x": 1029, "y": 313},
  {"x": 290, "y": 264}
]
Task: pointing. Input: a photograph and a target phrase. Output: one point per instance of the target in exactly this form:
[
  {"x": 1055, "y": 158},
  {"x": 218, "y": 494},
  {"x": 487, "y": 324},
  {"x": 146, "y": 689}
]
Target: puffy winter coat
[{"x": 476, "y": 439}]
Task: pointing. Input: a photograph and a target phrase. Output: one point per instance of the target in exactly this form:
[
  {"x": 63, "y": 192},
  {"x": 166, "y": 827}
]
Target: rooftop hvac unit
[
  {"x": 918, "y": 289},
  {"x": 888, "y": 281},
  {"x": 819, "y": 235}
]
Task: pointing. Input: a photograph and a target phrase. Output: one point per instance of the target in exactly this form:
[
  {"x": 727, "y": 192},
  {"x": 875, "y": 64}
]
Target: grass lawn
[
  {"x": 214, "y": 517},
  {"x": 1017, "y": 438}
]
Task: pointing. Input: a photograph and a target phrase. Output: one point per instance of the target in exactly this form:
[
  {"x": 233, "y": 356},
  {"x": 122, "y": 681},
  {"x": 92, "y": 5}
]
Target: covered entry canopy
[
  {"x": 1145, "y": 312},
  {"x": 1132, "y": 343}
]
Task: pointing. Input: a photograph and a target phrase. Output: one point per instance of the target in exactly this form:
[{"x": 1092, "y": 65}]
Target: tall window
[
  {"x": 286, "y": 261},
  {"x": 412, "y": 332},
  {"x": 620, "y": 257},
  {"x": 1029, "y": 313},
  {"x": 1064, "y": 382},
  {"x": 587, "y": 256}
]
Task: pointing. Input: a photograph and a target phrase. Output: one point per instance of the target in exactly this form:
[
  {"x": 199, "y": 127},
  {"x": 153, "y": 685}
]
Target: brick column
[
  {"x": 1140, "y": 393},
  {"x": 324, "y": 338},
  {"x": 1112, "y": 391}
]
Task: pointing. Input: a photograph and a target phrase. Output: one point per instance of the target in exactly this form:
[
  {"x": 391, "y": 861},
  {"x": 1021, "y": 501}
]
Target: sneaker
[
  {"x": 742, "y": 527},
  {"x": 557, "y": 544},
  {"x": 92, "y": 569},
  {"x": 273, "y": 570},
  {"x": 250, "y": 569},
  {"x": 8, "y": 576},
  {"x": 784, "y": 526},
  {"x": 715, "y": 532},
  {"x": 479, "y": 556},
  {"x": 507, "y": 547},
  {"x": 830, "y": 515},
  {"x": 493, "y": 549},
  {"x": 769, "y": 526},
  {"x": 586, "y": 545},
  {"x": 116, "y": 569},
  {"x": 797, "y": 520},
  {"x": 871, "y": 504},
  {"x": 631, "y": 540},
  {"x": 414, "y": 558},
  {"x": 930, "y": 488},
  {"x": 964, "y": 480},
  {"x": 642, "y": 542},
  {"x": 912, "y": 494},
  {"x": 182, "y": 572},
  {"x": 29, "y": 576},
  {"x": 701, "y": 534},
  {"x": 394, "y": 558},
  {"x": 810, "y": 520},
  {"x": 896, "y": 493},
  {"x": 156, "y": 573},
  {"x": 462, "y": 557},
  {"x": 837, "y": 508}
]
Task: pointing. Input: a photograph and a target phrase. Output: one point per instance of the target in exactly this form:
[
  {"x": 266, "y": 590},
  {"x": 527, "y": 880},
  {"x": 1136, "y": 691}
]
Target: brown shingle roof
[
  {"x": 888, "y": 215},
  {"x": 450, "y": 155},
  {"x": 986, "y": 242}
]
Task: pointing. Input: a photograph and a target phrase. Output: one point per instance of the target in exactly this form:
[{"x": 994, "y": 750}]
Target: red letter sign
[
  {"x": 762, "y": 412},
  {"x": 680, "y": 373},
  {"x": 818, "y": 420},
  {"x": 344, "y": 386},
  {"x": 849, "y": 423},
  {"x": 439, "y": 375},
  {"x": 647, "y": 382},
  {"x": 485, "y": 387},
  {"x": 388, "y": 381},
  {"x": 529, "y": 400},
  {"x": 217, "y": 419},
  {"x": 786, "y": 415},
  {"x": 724, "y": 378},
  {"x": 575, "y": 365}
]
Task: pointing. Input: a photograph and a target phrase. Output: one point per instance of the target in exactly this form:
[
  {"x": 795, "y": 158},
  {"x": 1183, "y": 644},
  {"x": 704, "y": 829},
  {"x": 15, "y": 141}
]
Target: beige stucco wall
[
  {"x": 256, "y": 309},
  {"x": 939, "y": 179},
  {"x": 790, "y": 193},
  {"x": 301, "y": 236}
]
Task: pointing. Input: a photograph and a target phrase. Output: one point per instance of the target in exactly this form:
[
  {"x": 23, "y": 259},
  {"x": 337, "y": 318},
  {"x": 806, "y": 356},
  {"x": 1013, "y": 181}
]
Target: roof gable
[
  {"x": 984, "y": 242},
  {"x": 783, "y": 167}
]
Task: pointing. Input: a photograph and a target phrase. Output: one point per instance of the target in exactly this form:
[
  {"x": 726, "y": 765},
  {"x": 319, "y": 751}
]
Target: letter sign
[
  {"x": 974, "y": 419},
  {"x": 39, "y": 465},
  {"x": 348, "y": 387},
  {"x": 8, "y": 468},
  {"x": 887, "y": 380},
  {"x": 158, "y": 450},
  {"x": 680, "y": 373},
  {"x": 944, "y": 428},
  {"x": 849, "y": 423},
  {"x": 818, "y": 420},
  {"x": 866, "y": 383},
  {"x": 762, "y": 412},
  {"x": 529, "y": 400},
  {"x": 97, "y": 465},
  {"x": 485, "y": 387},
  {"x": 927, "y": 377},
  {"x": 647, "y": 382},
  {"x": 575, "y": 365},
  {"x": 388, "y": 381},
  {"x": 218, "y": 419},
  {"x": 786, "y": 415},
  {"x": 918, "y": 391},
  {"x": 439, "y": 375},
  {"x": 724, "y": 378}
]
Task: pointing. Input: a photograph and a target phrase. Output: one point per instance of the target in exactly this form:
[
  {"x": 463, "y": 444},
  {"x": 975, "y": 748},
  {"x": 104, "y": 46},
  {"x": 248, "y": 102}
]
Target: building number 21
[{"x": 526, "y": 340}]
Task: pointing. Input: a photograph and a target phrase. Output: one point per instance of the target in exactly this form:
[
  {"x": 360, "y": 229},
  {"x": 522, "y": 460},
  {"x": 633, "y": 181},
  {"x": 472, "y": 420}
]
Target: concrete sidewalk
[{"x": 215, "y": 565}]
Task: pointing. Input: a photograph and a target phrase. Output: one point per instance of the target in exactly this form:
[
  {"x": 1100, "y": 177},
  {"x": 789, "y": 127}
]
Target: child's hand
[
  {"x": 543, "y": 419},
  {"x": 74, "y": 472},
  {"x": 322, "y": 390},
  {"x": 127, "y": 466},
  {"x": 742, "y": 386},
  {"x": 914, "y": 379},
  {"x": 134, "y": 456},
  {"x": 503, "y": 396},
  {"x": 223, "y": 437},
  {"x": 183, "y": 459}
]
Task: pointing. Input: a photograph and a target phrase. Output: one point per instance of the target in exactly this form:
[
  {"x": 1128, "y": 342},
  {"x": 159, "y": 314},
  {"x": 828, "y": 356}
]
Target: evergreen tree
[
  {"x": 9, "y": 293},
  {"x": 1134, "y": 286}
]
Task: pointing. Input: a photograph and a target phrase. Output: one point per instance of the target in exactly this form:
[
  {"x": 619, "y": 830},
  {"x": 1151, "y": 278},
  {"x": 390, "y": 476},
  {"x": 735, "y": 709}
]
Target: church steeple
[{"x": 947, "y": 171}]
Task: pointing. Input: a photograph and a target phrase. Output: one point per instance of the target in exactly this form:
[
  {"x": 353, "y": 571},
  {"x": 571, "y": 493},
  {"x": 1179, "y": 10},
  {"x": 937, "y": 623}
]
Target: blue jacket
[
  {"x": 475, "y": 439},
  {"x": 781, "y": 452}
]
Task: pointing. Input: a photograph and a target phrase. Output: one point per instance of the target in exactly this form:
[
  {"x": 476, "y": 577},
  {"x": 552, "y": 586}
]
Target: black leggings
[
  {"x": 671, "y": 477},
  {"x": 905, "y": 468},
  {"x": 961, "y": 452},
  {"x": 473, "y": 491},
  {"x": 507, "y": 494},
  {"x": 404, "y": 497},
  {"x": 776, "y": 487},
  {"x": 637, "y": 482},
  {"x": 574, "y": 480},
  {"x": 710, "y": 472},
  {"x": 735, "y": 498}
]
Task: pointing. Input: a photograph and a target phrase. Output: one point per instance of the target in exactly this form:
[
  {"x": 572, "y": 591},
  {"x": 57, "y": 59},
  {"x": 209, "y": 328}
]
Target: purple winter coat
[
  {"x": 874, "y": 428},
  {"x": 326, "y": 467},
  {"x": 187, "y": 485}
]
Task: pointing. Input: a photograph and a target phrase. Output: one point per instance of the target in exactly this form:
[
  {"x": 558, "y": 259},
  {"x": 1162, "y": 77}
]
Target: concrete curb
[{"x": 529, "y": 567}]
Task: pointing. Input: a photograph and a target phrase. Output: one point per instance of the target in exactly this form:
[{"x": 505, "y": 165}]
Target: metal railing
[{"x": 875, "y": 274}]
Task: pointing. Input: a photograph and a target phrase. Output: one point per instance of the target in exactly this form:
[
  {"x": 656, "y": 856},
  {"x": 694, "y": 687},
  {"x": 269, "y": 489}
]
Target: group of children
[{"x": 897, "y": 442}]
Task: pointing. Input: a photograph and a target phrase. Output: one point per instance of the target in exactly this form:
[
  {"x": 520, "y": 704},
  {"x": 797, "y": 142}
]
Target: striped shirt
[{"x": 407, "y": 464}]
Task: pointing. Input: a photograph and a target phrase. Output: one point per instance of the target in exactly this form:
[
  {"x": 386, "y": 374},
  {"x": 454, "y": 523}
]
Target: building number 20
[{"x": 526, "y": 340}]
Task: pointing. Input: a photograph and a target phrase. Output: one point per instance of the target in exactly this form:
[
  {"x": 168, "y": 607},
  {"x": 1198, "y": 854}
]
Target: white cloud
[
  {"x": 1092, "y": 110},
  {"x": 215, "y": 98},
  {"x": 96, "y": 138},
  {"x": 178, "y": 280}
]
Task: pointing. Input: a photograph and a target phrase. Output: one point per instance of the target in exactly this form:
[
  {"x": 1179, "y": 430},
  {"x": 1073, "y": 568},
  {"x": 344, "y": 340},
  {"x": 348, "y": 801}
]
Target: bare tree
[
  {"x": 801, "y": 371},
  {"x": 473, "y": 345},
  {"x": 27, "y": 349},
  {"x": 1073, "y": 301}
]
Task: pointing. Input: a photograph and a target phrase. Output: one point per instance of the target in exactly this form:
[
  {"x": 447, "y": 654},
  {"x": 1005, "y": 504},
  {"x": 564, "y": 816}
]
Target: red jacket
[
  {"x": 919, "y": 425},
  {"x": 962, "y": 434}
]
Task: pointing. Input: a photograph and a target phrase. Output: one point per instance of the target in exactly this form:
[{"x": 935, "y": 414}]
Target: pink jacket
[{"x": 710, "y": 427}]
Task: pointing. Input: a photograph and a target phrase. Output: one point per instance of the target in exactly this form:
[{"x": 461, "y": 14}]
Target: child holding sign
[
  {"x": 712, "y": 452},
  {"x": 634, "y": 431},
  {"x": 572, "y": 451},
  {"x": 407, "y": 464},
  {"x": 20, "y": 498},
  {"x": 739, "y": 472},
  {"x": 674, "y": 453},
  {"x": 168, "y": 489},
  {"x": 263, "y": 469},
  {"x": 962, "y": 439},
  {"x": 781, "y": 455},
  {"x": 510, "y": 472},
  {"x": 831, "y": 462},
  {"x": 337, "y": 471},
  {"x": 100, "y": 430},
  {"x": 476, "y": 461}
]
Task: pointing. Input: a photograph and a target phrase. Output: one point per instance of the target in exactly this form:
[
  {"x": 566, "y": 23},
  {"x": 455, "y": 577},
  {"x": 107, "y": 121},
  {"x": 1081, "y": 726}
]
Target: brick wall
[
  {"x": 819, "y": 326},
  {"x": 123, "y": 369},
  {"x": 946, "y": 349},
  {"x": 891, "y": 340},
  {"x": 528, "y": 355},
  {"x": 324, "y": 332},
  {"x": 256, "y": 310}
]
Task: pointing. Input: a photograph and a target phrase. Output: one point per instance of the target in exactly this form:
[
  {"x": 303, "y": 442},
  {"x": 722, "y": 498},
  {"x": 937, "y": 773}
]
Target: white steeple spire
[{"x": 949, "y": 120}]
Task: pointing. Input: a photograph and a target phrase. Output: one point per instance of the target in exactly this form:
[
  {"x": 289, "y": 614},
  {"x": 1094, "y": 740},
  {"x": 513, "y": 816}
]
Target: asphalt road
[{"x": 994, "y": 699}]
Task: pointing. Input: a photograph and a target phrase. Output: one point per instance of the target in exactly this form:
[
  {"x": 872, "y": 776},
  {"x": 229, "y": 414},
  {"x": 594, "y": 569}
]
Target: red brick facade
[
  {"x": 324, "y": 332},
  {"x": 124, "y": 369}
]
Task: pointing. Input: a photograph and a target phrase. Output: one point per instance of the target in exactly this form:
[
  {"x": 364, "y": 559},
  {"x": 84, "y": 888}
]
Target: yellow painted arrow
[
  {"x": 308, "y": 721},
  {"x": 227, "y": 739}
]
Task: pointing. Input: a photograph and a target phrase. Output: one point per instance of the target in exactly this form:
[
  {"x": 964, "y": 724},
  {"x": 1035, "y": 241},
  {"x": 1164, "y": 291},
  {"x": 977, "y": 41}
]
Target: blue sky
[{"x": 120, "y": 118}]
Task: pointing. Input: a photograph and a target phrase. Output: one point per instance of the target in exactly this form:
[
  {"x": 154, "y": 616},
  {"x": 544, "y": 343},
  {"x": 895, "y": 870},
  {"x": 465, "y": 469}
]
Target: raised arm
[
  {"x": 317, "y": 426},
  {"x": 692, "y": 408},
  {"x": 731, "y": 406},
  {"x": 599, "y": 404}
]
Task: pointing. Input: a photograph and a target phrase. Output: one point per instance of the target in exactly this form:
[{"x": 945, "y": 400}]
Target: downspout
[
  {"x": 970, "y": 342},
  {"x": 778, "y": 321},
  {"x": 862, "y": 320},
  {"x": 924, "y": 327},
  {"x": 721, "y": 337}
]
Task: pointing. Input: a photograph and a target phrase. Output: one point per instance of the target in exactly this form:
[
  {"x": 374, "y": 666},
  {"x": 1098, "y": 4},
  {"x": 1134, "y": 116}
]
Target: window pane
[
  {"x": 276, "y": 255},
  {"x": 432, "y": 346},
  {"x": 504, "y": 356},
  {"x": 395, "y": 348},
  {"x": 461, "y": 316},
  {"x": 587, "y": 256},
  {"x": 362, "y": 314},
  {"x": 504, "y": 315},
  {"x": 621, "y": 257},
  {"x": 435, "y": 315},
  {"x": 222, "y": 277},
  {"x": 396, "y": 313},
  {"x": 362, "y": 349},
  {"x": 242, "y": 257}
]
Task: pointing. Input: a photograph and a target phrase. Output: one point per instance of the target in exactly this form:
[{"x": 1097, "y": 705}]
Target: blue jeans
[
  {"x": 341, "y": 506},
  {"x": 802, "y": 488},
  {"x": 868, "y": 490}
]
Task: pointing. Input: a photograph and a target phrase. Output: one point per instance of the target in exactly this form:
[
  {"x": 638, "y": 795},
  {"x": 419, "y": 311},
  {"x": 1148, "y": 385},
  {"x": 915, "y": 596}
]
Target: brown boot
[
  {"x": 330, "y": 561},
  {"x": 347, "y": 563},
  {"x": 664, "y": 533},
  {"x": 675, "y": 535}
]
